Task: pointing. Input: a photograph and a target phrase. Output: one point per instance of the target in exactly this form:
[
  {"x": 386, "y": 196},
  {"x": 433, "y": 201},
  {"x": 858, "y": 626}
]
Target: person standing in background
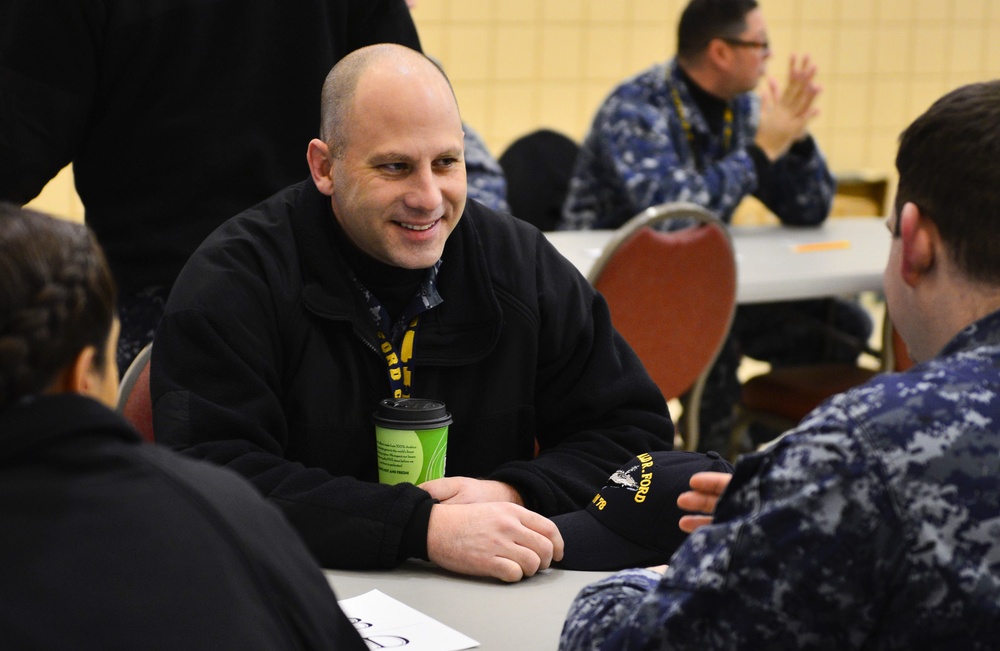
[
  {"x": 692, "y": 130},
  {"x": 176, "y": 115}
]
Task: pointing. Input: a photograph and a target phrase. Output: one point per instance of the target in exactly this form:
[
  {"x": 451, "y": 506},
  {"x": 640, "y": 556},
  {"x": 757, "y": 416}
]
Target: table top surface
[
  {"x": 844, "y": 255},
  {"x": 526, "y": 615}
]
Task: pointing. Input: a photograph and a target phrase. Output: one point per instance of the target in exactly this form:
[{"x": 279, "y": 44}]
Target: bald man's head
[{"x": 342, "y": 82}]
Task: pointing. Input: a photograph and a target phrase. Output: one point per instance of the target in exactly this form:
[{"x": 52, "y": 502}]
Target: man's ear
[
  {"x": 920, "y": 239},
  {"x": 719, "y": 54},
  {"x": 77, "y": 376},
  {"x": 320, "y": 165}
]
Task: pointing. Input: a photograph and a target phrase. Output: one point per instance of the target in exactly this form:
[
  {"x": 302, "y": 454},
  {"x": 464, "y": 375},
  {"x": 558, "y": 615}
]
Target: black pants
[{"x": 783, "y": 334}]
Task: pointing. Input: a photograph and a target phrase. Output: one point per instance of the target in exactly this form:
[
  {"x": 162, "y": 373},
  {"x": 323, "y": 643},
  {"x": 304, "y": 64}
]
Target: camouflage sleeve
[
  {"x": 799, "y": 187},
  {"x": 486, "y": 182},
  {"x": 789, "y": 560},
  {"x": 602, "y": 608},
  {"x": 652, "y": 157}
]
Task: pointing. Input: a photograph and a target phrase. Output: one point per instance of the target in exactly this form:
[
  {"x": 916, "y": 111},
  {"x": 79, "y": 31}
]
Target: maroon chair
[
  {"x": 782, "y": 397},
  {"x": 134, "y": 401},
  {"x": 672, "y": 296}
]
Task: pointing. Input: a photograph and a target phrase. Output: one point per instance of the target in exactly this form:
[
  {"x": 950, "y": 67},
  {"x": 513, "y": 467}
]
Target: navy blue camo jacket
[
  {"x": 485, "y": 180},
  {"x": 874, "y": 524},
  {"x": 637, "y": 155}
]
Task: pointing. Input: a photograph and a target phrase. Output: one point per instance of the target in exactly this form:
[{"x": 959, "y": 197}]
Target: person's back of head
[
  {"x": 949, "y": 166},
  {"x": 113, "y": 543},
  {"x": 704, "y": 20},
  {"x": 57, "y": 300}
]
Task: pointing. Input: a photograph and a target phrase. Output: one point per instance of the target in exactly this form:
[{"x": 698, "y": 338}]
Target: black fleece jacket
[
  {"x": 112, "y": 543},
  {"x": 266, "y": 361}
]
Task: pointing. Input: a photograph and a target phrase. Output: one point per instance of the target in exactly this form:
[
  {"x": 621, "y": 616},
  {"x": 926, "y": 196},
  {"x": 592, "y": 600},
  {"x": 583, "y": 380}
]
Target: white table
[
  {"x": 844, "y": 255},
  {"x": 527, "y": 615}
]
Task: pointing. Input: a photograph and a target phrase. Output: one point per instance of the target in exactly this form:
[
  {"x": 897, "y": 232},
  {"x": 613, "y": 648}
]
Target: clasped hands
[
  {"x": 785, "y": 116},
  {"x": 481, "y": 528}
]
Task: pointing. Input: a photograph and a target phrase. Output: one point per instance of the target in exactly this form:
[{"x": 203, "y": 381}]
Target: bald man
[{"x": 267, "y": 359}]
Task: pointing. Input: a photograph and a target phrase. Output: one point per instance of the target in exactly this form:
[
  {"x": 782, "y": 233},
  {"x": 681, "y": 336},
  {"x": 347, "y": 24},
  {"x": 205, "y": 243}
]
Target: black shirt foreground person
[{"x": 107, "y": 542}]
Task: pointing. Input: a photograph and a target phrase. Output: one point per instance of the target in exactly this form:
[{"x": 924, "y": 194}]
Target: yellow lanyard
[
  {"x": 400, "y": 373},
  {"x": 727, "y": 129}
]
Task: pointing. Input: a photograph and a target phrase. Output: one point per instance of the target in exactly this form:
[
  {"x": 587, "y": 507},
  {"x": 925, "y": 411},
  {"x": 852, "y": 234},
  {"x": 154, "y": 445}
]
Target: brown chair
[
  {"x": 672, "y": 296},
  {"x": 134, "y": 400},
  {"x": 781, "y": 397}
]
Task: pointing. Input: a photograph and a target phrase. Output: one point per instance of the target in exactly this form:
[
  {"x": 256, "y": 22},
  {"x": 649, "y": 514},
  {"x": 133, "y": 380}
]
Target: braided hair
[{"x": 57, "y": 297}]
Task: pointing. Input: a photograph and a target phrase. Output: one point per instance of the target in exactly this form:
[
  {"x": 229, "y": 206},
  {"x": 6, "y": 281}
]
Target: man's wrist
[{"x": 511, "y": 493}]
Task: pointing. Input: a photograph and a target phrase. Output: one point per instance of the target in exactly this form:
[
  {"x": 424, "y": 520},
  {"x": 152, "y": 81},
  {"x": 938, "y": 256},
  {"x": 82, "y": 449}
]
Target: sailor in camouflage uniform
[
  {"x": 484, "y": 176},
  {"x": 876, "y": 522},
  {"x": 692, "y": 130}
]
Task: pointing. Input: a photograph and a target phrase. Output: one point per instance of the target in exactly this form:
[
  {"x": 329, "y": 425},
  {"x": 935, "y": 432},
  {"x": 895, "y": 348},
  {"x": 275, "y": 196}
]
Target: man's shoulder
[
  {"x": 496, "y": 232},
  {"x": 640, "y": 87},
  {"x": 514, "y": 252},
  {"x": 217, "y": 493},
  {"x": 940, "y": 403},
  {"x": 260, "y": 241},
  {"x": 271, "y": 214}
]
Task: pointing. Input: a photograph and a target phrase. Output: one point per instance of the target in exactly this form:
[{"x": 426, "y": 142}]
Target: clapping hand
[{"x": 785, "y": 116}]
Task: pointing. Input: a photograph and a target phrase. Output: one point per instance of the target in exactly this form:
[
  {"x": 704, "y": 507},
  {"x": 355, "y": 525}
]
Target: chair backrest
[
  {"x": 134, "y": 401},
  {"x": 538, "y": 167},
  {"x": 672, "y": 294}
]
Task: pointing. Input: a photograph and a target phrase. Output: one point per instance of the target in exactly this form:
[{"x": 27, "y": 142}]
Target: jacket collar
[
  {"x": 984, "y": 332},
  {"x": 464, "y": 328},
  {"x": 38, "y": 421}
]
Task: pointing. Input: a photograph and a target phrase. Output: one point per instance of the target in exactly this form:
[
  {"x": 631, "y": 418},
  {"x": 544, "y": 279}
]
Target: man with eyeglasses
[{"x": 692, "y": 130}]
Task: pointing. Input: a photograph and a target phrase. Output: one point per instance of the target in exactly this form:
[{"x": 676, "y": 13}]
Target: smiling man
[{"x": 268, "y": 358}]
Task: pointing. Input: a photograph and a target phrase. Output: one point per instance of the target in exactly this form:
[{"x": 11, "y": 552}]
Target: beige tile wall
[
  {"x": 521, "y": 64},
  {"x": 518, "y": 65}
]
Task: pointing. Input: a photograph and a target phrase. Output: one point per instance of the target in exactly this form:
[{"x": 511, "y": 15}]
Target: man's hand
[
  {"x": 706, "y": 488},
  {"x": 785, "y": 117},
  {"x": 465, "y": 490},
  {"x": 502, "y": 540}
]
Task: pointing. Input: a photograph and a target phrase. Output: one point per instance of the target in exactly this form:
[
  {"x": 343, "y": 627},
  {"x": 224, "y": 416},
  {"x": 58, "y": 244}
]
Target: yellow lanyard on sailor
[
  {"x": 727, "y": 128},
  {"x": 400, "y": 373}
]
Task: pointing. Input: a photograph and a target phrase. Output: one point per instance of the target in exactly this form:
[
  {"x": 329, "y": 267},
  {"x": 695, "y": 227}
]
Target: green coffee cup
[{"x": 411, "y": 438}]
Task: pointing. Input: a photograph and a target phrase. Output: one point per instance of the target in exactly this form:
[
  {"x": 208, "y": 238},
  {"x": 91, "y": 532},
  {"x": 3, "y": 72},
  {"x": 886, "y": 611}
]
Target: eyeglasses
[{"x": 757, "y": 45}]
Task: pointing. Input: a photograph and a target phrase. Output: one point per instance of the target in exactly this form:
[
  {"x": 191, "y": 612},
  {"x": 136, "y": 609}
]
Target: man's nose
[{"x": 424, "y": 192}]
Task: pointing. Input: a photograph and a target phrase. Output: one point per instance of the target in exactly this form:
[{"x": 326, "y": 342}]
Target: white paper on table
[{"x": 385, "y": 623}]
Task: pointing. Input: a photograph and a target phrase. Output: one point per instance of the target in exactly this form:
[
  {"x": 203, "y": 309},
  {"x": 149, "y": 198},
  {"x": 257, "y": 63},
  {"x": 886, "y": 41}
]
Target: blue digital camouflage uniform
[
  {"x": 637, "y": 155},
  {"x": 874, "y": 524},
  {"x": 484, "y": 176}
]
